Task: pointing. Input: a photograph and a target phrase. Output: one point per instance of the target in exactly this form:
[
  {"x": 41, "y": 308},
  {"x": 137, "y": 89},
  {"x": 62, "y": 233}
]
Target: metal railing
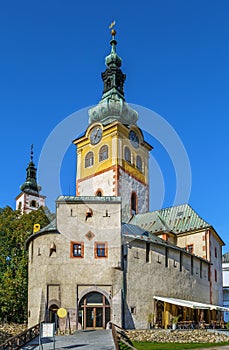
[
  {"x": 21, "y": 339},
  {"x": 120, "y": 337}
]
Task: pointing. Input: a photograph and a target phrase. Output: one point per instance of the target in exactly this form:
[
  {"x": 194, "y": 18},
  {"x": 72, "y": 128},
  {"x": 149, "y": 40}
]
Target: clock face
[
  {"x": 96, "y": 135},
  {"x": 134, "y": 139}
]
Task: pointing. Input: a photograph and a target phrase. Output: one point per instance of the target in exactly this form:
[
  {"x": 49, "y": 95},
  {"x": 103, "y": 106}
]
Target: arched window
[
  {"x": 103, "y": 153},
  {"x": 133, "y": 203},
  {"x": 99, "y": 193},
  {"x": 89, "y": 159},
  {"x": 127, "y": 154},
  {"x": 139, "y": 163},
  {"x": 33, "y": 204}
]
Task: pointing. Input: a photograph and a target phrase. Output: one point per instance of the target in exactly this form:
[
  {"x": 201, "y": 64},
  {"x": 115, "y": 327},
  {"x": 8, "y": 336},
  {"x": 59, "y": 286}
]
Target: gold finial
[{"x": 113, "y": 32}]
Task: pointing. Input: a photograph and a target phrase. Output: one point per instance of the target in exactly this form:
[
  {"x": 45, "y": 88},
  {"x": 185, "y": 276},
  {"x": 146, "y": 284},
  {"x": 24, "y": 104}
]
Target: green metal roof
[
  {"x": 137, "y": 232},
  {"x": 133, "y": 232},
  {"x": 178, "y": 219},
  {"x": 49, "y": 229},
  {"x": 80, "y": 199}
]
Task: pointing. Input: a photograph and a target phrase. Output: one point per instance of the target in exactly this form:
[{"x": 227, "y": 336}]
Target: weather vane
[{"x": 113, "y": 31}]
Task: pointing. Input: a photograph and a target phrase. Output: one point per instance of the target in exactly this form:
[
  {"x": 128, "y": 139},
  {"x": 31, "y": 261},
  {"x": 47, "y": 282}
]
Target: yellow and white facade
[{"x": 114, "y": 165}]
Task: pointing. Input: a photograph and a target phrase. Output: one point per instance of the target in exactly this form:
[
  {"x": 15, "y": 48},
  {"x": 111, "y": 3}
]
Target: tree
[{"x": 14, "y": 230}]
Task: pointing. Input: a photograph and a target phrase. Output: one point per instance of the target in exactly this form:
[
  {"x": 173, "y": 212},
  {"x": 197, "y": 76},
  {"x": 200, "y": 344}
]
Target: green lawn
[{"x": 174, "y": 346}]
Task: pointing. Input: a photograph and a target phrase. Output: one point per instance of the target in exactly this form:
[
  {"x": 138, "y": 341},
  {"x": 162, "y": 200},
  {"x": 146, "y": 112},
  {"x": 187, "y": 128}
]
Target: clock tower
[{"x": 112, "y": 156}]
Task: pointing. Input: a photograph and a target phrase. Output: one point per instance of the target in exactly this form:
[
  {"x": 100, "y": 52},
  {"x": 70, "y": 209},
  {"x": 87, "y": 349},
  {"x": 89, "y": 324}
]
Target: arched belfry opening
[{"x": 94, "y": 310}]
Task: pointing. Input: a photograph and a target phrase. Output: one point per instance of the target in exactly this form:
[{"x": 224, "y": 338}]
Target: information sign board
[{"x": 47, "y": 330}]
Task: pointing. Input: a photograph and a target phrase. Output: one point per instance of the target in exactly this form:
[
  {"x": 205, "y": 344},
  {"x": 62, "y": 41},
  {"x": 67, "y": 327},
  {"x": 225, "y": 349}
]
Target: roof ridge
[{"x": 177, "y": 219}]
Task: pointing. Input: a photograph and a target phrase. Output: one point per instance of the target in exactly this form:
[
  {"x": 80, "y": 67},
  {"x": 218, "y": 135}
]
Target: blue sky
[{"x": 175, "y": 55}]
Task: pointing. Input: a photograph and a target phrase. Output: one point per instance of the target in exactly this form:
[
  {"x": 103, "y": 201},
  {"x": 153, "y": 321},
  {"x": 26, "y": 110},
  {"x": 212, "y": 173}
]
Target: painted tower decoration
[
  {"x": 30, "y": 199},
  {"x": 113, "y": 155}
]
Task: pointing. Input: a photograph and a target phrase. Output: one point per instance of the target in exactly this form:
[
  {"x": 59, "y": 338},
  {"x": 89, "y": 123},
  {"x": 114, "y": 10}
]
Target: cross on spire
[{"x": 31, "y": 153}]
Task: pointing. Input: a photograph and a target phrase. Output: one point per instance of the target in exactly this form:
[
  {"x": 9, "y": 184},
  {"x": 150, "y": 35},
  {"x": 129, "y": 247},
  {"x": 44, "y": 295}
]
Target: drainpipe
[{"x": 208, "y": 257}]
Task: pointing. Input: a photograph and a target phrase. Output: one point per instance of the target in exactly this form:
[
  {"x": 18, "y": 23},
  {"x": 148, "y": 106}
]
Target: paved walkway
[{"x": 85, "y": 340}]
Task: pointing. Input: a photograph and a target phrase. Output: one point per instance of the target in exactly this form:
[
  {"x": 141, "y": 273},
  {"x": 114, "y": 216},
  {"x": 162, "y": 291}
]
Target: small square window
[
  {"x": 189, "y": 248},
  {"x": 133, "y": 310},
  {"x": 101, "y": 250},
  {"x": 77, "y": 250}
]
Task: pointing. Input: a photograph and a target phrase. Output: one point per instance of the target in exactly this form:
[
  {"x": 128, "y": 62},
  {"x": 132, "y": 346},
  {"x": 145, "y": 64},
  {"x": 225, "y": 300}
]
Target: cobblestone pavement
[{"x": 85, "y": 340}]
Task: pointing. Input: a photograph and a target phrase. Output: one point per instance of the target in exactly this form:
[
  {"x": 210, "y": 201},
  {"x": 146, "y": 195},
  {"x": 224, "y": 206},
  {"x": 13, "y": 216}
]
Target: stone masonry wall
[
  {"x": 147, "y": 279},
  {"x": 76, "y": 274},
  {"x": 127, "y": 185}
]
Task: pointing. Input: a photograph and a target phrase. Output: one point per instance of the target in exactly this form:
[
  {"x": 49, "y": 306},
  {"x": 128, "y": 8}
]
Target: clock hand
[{"x": 95, "y": 136}]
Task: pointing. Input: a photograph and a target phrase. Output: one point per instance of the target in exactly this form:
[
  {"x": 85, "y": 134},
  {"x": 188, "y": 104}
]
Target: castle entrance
[
  {"x": 52, "y": 316},
  {"x": 94, "y": 311}
]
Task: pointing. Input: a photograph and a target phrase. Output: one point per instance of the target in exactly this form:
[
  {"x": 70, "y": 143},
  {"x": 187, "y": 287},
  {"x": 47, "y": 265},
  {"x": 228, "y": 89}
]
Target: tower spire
[
  {"x": 30, "y": 185},
  {"x": 30, "y": 199},
  {"x": 112, "y": 105},
  {"x": 113, "y": 77}
]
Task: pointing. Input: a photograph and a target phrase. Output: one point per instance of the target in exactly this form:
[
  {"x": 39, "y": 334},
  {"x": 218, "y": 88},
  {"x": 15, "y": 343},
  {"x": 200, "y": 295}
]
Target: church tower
[
  {"x": 112, "y": 156},
  {"x": 30, "y": 199}
]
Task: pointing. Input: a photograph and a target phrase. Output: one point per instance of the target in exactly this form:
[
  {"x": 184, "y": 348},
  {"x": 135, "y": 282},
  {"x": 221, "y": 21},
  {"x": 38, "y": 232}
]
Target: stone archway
[
  {"x": 53, "y": 306},
  {"x": 52, "y": 315},
  {"x": 94, "y": 310}
]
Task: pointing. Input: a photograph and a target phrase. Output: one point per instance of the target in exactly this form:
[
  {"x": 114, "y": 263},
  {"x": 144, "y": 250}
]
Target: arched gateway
[{"x": 94, "y": 310}]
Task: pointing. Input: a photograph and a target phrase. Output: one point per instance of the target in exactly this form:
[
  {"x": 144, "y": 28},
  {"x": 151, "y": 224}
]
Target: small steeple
[{"x": 30, "y": 185}]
